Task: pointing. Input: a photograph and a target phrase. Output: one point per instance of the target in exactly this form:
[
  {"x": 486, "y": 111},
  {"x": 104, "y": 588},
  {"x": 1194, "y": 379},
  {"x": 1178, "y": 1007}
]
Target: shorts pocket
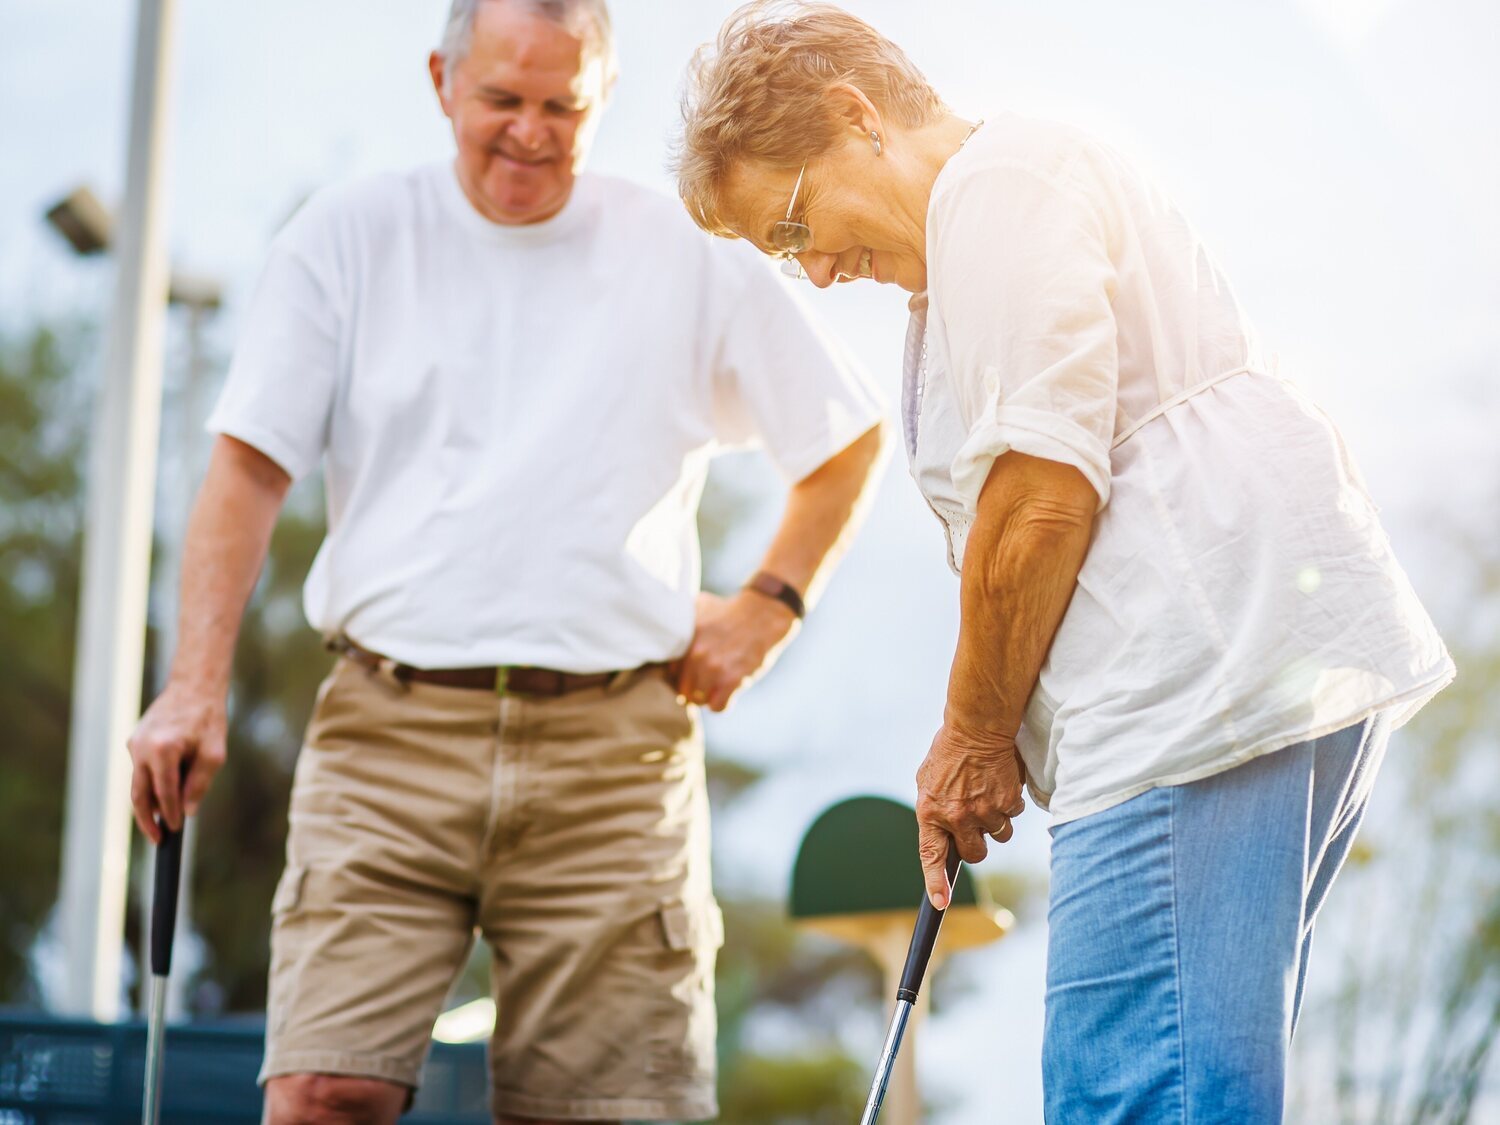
[
  {"x": 681, "y": 1050},
  {"x": 288, "y": 889},
  {"x": 684, "y": 928}
]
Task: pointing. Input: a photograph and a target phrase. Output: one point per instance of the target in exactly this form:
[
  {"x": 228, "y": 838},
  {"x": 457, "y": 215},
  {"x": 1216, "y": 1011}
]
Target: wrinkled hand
[
  {"x": 736, "y": 641},
  {"x": 177, "y": 748},
  {"x": 968, "y": 787}
]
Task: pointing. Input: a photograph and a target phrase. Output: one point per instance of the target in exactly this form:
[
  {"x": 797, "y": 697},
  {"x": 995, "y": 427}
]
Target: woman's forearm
[{"x": 1029, "y": 539}]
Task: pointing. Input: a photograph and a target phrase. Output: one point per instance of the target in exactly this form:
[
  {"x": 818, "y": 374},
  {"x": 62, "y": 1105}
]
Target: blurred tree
[
  {"x": 1407, "y": 1032},
  {"x": 43, "y": 435},
  {"x": 44, "y": 426}
]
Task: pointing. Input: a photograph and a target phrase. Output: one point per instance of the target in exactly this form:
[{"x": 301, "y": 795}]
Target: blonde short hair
[{"x": 758, "y": 93}]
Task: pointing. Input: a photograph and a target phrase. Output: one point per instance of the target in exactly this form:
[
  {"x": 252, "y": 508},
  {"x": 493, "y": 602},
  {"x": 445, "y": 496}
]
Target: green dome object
[{"x": 860, "y": 857}]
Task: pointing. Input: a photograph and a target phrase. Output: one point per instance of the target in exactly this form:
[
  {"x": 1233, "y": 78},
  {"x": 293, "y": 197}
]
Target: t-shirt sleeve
[
  {"x": 279, "y": 393},
  {"x": 1024, "y": 279},
  {"x": 783, "y": 382}
]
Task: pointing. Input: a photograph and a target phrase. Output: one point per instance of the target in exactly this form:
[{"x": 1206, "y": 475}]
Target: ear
[
  {"x": 853, "y": 111},
  {"x": 437, "y": 67}
]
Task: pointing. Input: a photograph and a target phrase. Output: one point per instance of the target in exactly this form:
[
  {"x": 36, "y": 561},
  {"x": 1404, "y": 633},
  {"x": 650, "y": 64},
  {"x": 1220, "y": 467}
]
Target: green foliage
[
  {"x": 808, "y": 1088},
  {"x": 43, "y": 435}
]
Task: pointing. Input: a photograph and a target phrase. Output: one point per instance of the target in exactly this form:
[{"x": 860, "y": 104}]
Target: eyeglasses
[{"x": 790, "y": 239}]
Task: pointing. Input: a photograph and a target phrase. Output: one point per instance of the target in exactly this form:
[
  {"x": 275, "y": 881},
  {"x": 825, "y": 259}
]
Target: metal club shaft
[
  {"x": 163, "y": 930},
  {"x": 155, "y": 1030},
  {"x": 887, "y": 1061},
  {"x": 923, "y": 938}
]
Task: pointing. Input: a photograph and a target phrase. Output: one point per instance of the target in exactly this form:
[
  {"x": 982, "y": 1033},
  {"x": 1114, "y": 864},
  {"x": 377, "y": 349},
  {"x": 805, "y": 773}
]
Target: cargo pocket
[
  {"x": 288, "y": 889},
  {"x": 284, "y": 945},
  {"x": 684, "y": 929},
  {"x": 682, "y": 1046}
]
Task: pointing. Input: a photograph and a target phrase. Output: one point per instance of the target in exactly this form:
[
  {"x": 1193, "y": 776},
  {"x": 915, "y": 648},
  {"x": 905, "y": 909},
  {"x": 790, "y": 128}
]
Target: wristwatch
[{"x": 768, "y": 584}]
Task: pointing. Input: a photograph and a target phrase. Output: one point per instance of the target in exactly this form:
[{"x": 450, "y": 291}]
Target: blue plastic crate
[{"x": 75, "y": 1072}]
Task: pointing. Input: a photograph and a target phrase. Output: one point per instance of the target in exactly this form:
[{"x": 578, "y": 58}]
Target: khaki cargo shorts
[{"x": 570, "y": 834}]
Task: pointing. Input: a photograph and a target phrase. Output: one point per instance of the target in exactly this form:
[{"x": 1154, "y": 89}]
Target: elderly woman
[{"x": 1182, "y": 625}]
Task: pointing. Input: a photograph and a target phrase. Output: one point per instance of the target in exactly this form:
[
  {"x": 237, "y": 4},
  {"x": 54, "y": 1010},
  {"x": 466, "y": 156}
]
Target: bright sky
[{"x": 1342, "y": 157}]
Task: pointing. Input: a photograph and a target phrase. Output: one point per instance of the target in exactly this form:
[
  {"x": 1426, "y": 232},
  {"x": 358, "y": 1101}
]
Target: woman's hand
[{"x": 969, "y": 787}]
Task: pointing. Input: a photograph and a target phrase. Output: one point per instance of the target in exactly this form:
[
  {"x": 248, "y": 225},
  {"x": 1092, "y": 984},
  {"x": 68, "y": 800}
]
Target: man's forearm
[
  {"x": 823, "y": 511},
  {"x": 1021, "y": 565},
  {"x": 227, "y": 539}
]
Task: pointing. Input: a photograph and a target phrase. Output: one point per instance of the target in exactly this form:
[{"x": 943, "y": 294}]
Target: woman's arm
[{"x": 1024, "y": 552}]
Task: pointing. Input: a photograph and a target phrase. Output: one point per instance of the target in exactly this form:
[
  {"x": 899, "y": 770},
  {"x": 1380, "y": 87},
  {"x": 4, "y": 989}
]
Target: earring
[{"x": 875, "y": 140}]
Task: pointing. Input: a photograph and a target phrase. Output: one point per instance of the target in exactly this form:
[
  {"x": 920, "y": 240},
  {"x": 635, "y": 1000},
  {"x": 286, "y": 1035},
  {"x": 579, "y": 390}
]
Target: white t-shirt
[
  {"x": 515, "y": 423},
  {"x": 1239, "y": 594}
]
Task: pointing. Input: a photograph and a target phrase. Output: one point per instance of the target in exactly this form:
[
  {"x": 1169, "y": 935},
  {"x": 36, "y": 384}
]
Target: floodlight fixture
[{"x": 83, "y": 221}]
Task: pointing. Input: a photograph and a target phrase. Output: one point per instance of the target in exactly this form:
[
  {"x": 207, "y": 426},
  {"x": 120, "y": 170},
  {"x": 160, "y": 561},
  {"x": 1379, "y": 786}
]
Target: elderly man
[{"x": 514, "y": 376}]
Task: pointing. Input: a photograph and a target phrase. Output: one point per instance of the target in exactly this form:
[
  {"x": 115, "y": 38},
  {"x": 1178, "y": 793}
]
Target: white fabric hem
[
  {"x": 812, "y": 456},
  {"x": 265, "y": 442},
  {"x": 1407, "y": 702}
]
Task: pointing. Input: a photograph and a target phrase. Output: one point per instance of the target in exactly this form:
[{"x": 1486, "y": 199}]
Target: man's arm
[
  {"x": 738, "y": 638},
  {"x": 1030, "y": 535},
  {"x": 227, "y": 539}
]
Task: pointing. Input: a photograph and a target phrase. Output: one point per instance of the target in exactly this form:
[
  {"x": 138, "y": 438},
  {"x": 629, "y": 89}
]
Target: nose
[
  {"x": 818, "y": 266},
  {"x": 529, "y": 131}
]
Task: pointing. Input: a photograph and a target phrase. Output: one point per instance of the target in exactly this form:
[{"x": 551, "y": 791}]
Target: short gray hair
[{"x": 587, "y": 18}]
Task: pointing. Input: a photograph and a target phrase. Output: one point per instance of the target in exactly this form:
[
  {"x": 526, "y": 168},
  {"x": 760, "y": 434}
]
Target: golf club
[
  {"x": 163, "y": 929},
  {"x": 923, "y": 938}
]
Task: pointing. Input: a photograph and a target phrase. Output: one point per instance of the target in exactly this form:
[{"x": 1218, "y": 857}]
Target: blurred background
[{"x": 1341, "y": 158}]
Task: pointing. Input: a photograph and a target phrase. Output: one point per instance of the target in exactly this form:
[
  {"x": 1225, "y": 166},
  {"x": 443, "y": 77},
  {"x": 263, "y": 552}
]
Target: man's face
[{"x": 521, "y": 103}]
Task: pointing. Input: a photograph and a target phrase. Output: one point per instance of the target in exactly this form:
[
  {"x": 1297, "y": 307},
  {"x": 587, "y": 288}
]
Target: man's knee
[{"x": 333, "y": 1099}]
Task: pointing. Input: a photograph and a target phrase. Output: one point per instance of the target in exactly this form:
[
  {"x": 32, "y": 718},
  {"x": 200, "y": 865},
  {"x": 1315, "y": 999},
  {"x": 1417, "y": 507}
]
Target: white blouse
[{"x": 1239, "y": 594}]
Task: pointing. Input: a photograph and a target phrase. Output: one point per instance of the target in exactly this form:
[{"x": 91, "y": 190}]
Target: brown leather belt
[{"x": 499, "y": 679}]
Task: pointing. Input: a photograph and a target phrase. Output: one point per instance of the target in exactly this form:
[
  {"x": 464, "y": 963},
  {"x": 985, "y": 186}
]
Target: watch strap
[{"x": 763, "y": 582}]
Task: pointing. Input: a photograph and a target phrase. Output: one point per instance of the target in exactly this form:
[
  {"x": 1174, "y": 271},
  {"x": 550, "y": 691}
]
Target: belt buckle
[{"x": 502, "y": 679}]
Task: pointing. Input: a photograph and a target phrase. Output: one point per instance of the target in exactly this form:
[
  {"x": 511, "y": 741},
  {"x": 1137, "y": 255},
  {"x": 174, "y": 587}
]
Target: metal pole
[{"x": 107, "y": 665}]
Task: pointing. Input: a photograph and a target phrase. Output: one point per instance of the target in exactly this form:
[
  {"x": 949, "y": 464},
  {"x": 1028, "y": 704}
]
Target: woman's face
[{"x": 846, "y": 202}]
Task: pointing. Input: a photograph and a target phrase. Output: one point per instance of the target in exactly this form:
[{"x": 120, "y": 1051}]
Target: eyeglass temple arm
[{"x": 796, "y": 191}]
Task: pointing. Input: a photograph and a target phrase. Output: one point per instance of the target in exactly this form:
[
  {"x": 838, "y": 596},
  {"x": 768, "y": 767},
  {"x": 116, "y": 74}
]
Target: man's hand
[
  {"x": 736, "y": 640},
  {"x": 968, "y": 787},
  {"x": 177, "y": 748}
]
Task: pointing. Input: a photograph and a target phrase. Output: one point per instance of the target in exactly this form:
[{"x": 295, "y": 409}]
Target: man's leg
[
  {"x": 333, "y": 1099},
  {"x": 1178, "y": 932},
  {"x": 375, "y": 912},
  {"x": 599, "y": 910}
]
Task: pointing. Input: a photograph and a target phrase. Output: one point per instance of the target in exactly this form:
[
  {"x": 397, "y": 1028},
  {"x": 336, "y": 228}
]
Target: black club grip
[
  {"x": 924, "y": 937},
  {"x": 164, "y": 900}
]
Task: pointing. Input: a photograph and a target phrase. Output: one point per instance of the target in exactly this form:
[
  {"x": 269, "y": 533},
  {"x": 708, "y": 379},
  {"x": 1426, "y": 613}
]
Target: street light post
[
  {"x": 107, "y": 666},
  {"x": 88, "y": 226}
]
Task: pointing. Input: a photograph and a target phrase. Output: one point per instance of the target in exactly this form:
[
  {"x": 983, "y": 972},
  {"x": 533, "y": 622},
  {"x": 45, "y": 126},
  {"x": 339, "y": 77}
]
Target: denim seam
[{"x": 1177, "y": 957}]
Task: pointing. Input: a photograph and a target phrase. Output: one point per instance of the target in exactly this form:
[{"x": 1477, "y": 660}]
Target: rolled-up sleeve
[{"x": 1022, "y": 273}]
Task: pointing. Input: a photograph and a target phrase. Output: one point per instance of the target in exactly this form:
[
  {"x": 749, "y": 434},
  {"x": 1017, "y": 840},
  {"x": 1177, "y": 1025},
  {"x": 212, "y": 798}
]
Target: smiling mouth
[
  {"x": 525, "y": 162},
  {"x": 862, "y": 268}
]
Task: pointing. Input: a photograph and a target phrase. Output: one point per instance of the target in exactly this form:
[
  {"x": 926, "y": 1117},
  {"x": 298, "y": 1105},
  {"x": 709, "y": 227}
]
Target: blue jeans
[{"x": 1179, "y": 928}]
